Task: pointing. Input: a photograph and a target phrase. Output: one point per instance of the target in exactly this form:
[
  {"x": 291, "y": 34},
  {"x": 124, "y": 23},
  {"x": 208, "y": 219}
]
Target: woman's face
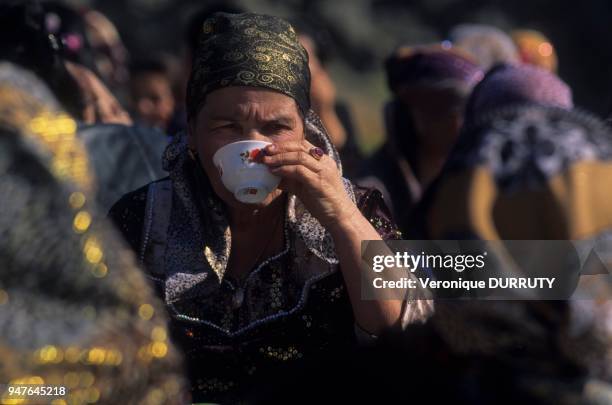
[
  {"x": 436, "y": 114},
  {"x": 239, "y": 113}
]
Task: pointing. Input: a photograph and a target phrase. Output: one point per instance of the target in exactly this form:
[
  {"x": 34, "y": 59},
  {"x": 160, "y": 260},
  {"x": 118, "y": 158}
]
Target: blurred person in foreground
[
  {"x": 487, "y": 45},
  {"x": 526, "y": 167},
  {"x": 256, "y": 291},
  {"x": 335, "y": 114},
  {"x": 152, "y": 99},
  {"x": 430, "y": 86},
  {"x": 75, "y": 311},
  {"x": 122, "y": 155},
  {"x": 535, "y": 49}
]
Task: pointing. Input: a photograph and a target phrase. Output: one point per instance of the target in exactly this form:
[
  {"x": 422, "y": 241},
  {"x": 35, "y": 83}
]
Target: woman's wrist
[{"x": 347, "y": 217}]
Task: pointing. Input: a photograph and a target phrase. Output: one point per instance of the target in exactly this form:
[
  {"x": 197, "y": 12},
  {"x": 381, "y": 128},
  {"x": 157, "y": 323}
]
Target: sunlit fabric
[
  {"x": 74, "y": 309},
  {"x": 249, "y": 50}
]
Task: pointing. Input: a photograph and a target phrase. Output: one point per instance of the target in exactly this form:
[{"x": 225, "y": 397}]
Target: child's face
[{"x": 152, "y": 99}]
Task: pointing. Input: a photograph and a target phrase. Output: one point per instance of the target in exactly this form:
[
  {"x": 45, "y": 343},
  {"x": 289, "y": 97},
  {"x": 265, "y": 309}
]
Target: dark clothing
[
  {"x": 392, "y": 168},
  {"x": 350, "y": 155},
  {"x": 237, "y": 354},
  {"x": 395, "y": 180}
]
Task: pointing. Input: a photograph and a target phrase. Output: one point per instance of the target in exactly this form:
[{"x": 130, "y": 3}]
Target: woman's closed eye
[
  {"x": 273, "y": 128},
  {"x": 225, "y": 126}
]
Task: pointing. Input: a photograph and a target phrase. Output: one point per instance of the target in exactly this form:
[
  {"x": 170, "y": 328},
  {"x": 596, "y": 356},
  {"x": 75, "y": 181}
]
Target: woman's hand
[
  {"x": 100, "y": 104},
  {"x": 317, "y": 183}
]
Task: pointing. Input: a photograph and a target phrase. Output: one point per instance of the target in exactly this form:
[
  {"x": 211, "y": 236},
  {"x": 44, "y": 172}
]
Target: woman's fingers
[
  {"x": 299, "y": 169},
  {"x": 294, "y": 172},
  {"x": 296, "y": 178},
  {"x": 293, "y": 158},
  {"x": 293, "y": 153},
  {"x": 288, "y": 146}
]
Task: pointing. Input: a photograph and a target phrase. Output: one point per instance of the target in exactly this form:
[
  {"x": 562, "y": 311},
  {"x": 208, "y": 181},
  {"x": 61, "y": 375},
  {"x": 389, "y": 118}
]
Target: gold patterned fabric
[
  {"x": 44, "y": 124},
  {"x": 75, "y": 311},
  {"x": 248, "y": 50}
]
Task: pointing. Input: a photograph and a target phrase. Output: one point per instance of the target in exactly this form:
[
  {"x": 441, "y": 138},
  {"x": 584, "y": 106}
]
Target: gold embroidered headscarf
[{"x": 248, "y": 50}]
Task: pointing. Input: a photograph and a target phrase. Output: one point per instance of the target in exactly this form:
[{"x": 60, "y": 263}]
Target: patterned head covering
[
  {"x": 248, "y": 50},
  {"x": 427, "y": 65},
  {"x": 560, "y": 160},
  {"x": 506, "y": 85},
  {"x": 75, "y": 311}
]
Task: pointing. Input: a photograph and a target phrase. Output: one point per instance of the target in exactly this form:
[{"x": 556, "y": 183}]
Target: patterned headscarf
[
  {"x": 427, "y": 65},
  {"x": 507, "y": 85},
  {"x": 525, "y": 172},
  {"x": 248, "y": 50}
]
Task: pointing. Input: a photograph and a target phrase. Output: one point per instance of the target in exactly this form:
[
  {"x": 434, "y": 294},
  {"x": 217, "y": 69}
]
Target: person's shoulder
[
  {"x": 131, "y": 200},
  {"x": 371, "y": 203},
  {"x": 129, "y": 211},
  {"x": 365, "y": 194},
  {"x": 135, "y": 200},
  {"x": 368, "y": 199}
]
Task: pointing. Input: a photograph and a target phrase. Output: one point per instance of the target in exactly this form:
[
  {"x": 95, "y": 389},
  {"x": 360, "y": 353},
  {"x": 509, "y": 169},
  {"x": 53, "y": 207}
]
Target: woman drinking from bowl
[{"x": 257, "y": 288}]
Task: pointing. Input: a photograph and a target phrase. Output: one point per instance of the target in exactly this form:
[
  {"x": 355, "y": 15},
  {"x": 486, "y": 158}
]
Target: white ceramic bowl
[{"x": 249, "y": 181}]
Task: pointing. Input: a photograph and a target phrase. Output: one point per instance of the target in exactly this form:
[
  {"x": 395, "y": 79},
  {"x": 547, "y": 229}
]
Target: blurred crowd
[{"x": 482, "y": 141}]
